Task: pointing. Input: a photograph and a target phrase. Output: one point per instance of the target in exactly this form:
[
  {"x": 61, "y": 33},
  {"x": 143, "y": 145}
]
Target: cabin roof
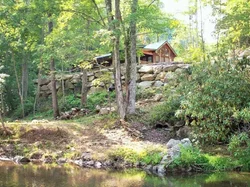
[
  {"x": 158, "y": 45},
  {"x": 103, "y": 56},
  {"x": 154, "y": 46}
]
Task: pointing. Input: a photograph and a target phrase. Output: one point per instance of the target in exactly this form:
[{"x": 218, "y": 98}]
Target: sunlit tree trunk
[
  {"x": 18, "y": 84},
  {"x": 84, "y": 87},
  {"x": 53, "y": 79},
  {"x": 133, "y": 65},
  {"x": 118, "y": 83},
  {"x": 25, "y": 77}
]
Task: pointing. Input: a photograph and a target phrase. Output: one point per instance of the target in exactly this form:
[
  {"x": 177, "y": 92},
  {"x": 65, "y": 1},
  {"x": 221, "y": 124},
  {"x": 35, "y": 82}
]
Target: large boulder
[
  {"x": 44, "y": 88},
  {"x": 57, "y": 85},
  {"x": 160, "y": 76},
  {"x": 186, "y": 143},
  {"x": 146, "y": 69},
  {"x": 91, "y": 78},
  {"x": 75, "y": 80},
  {"x": 174, "y": 149},
  {"x": 169, "y": 77},
  {"x": 157, "y": 69},
  {"x": 148, "y": 77},
  {"x": 172, "y": 142},
  {"x": 138, "y": 77},
  {"x": 21, "y": 159},
  {"x": 64, "y": 76},
  {"x": 86, "y": 156},
  {"x": 158, "y": 97},
  {"x": 90, "y": 74},
  {"x": 145, "y": 84},
  {"x": 44, "y": 81},
  {"x": 171, "y": 67},
  {"x": 69, "y": 85},
  {"x": 158, "y": 84}
]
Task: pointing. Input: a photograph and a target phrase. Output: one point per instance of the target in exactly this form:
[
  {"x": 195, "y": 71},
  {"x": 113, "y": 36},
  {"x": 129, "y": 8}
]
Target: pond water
[{"x": 32, "y": 175}]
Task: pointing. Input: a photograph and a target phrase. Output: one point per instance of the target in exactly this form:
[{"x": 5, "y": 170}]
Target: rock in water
[
  {"x": 21, "y": 159},
  {"x": 172, "y": 142}
]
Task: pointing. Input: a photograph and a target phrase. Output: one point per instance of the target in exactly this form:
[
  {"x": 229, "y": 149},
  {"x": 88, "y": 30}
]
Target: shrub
[
  {"x": 124, "y": 154},
  {"x": 239, "y": 147},
  {"x": 145, "y": 93},
  {"x": 28, "y": 108},
  {"x": 99, "y": 98},
  {"x": 152, "y": 155},
  {"x": 191, "y": 156},
  {"x": 70, "y": 101},
  {"x": 213, "y": 99},
  {"x": 165, "y": 112}
]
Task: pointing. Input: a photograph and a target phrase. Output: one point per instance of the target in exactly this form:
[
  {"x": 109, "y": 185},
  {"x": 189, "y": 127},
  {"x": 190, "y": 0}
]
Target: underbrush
[{"x": 150, "y": 155}]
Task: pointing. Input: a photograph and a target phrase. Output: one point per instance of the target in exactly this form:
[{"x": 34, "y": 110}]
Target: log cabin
[
  {"x": 151, "y": 53},
  {"x": 157, "y": 52}
]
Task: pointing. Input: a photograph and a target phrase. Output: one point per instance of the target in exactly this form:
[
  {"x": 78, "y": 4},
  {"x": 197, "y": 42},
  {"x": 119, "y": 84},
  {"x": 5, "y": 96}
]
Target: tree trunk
[
  {"x": 127, "y": 65},
  {"x": 109, "y": 12},
  {"x": 118, "y": 84},
  {"x": 84, "y": 87},
  {"x": 18, "y": 85},
  {"x": 133, "y": 66},
  {"x": 202, "y": 37},
  {"x": 38, "y": 88},
  {"x": 53, "y": 89},
  {"x": 24, "y": 78},
  {"x": 53, "y": 79}
]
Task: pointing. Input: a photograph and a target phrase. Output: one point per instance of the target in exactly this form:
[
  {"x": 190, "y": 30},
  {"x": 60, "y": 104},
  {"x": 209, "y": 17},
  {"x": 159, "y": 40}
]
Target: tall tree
[
  {"x": 117, "y": 63},
  {"x": 52, "y": 74},
  {"x": 133, "y": 66}
]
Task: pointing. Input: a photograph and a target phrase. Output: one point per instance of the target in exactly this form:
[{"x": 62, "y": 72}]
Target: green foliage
[
  {"x": 239, "y": 147},
  {"x": 220, "y": 163},
  {"x": 164, "y": 112},
  {"x": 69, "y": 102},
  {"x": 98, "y": 98},
  {"x": 145, "y": 93},
  {"x": 236, "y": 142},
  {"x": 212, "y": 95},
  {"x": 28, "y": 108},
  {"x": 190, "y": 156},
  {"x": 124, "y": 154},
  {"x": 213, "y": 99},
  {"x": 152, "y": 155}
]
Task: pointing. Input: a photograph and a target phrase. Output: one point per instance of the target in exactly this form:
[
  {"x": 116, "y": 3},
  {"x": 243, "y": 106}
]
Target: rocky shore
[{"x": 86, "y": 159}]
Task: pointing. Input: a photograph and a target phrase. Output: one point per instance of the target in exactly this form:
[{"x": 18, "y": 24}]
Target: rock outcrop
[{"x": 148, "y": 75}]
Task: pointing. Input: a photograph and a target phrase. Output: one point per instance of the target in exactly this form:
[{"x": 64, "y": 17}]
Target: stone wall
[{"x": 148, "y": 75}]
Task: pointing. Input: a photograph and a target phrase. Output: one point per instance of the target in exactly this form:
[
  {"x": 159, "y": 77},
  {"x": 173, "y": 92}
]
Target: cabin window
[{"x": 150, "y": 59}]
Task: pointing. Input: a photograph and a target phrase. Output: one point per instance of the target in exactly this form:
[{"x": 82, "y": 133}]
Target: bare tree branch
[
  {"x": 84, "y": 15},
  {"x": 151, "y": 3},
  {"x": 99, "y": 13}
]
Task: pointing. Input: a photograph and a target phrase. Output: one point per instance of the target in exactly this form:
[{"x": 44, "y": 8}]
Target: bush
[
  {"x": 99, "y": 98},
  {"x": 70, "y": 101},
  {"x": 28, "y": 108},
  {"x": 213, "y": 99},
  {"x": 165, "y": 112},
  {"x": 151, "y": 155},
  {"x": 191, "y": 156},
  {"x": 145, "y": 93},
  {"x": 124, "y": 154},
  {"x": 239, "y": 147}
]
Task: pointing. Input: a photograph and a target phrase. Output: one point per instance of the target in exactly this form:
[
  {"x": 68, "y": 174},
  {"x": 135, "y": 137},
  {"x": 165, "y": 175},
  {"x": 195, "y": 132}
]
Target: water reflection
[{"x": 31, "y": 175}]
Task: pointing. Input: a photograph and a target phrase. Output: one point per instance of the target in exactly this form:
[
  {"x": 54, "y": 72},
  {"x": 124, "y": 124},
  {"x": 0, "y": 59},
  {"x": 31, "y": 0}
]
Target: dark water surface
[{"x": 31, "y": 175}]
